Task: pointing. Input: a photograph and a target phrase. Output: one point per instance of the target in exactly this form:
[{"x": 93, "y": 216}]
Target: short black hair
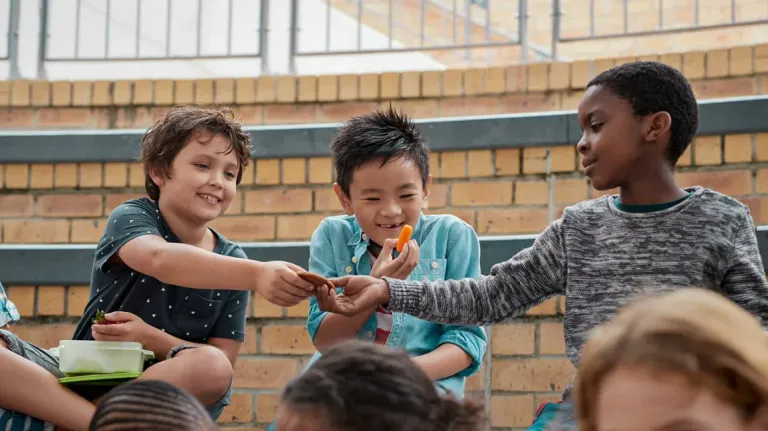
[
  {"x": 359, "y": 385},
  {"x": 380, "y": 135},
  {"x": 150, "y": 404},
  {"x": 651, "y": 87}
]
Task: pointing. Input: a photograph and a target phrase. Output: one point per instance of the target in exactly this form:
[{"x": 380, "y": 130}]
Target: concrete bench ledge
[{"x": 716, "y": 117}]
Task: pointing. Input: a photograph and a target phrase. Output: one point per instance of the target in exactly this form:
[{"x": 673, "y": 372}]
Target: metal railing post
[
  {"x": 13, "y": 39},
  {"x": 264, "y": 37},
  {"x": 42, "y": 43},
  {"x": 294, "y": 41},
  {"x": 522, "y": 28},
  {"x": 555, "y": 27}
]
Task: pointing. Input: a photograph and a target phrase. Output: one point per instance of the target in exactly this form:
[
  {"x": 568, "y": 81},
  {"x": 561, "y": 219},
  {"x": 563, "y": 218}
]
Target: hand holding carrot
[{"x": 399, "y": 267}]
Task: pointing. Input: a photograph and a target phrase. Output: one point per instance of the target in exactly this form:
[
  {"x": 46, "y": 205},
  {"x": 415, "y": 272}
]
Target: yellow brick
[
  {"x": 143, "y": 92},
  {"x": 225, "y": 90},
  {"x": 581, "y": 73},
  {"x": 267, "y": 171},
  {"x": 184, "y": 92},
  {"x": 673, "y": 60},
  {"x": 320, "y": 170},
  {"x": 286, "y": 89},
  {"x": 738, "y": 148},
  {"x": 602, "y": 64},
  {"x": 204, "y": 91},
  {"x": 90, "y": 175},
  {"x": 307, "y": 88},
  {"x": 432, "y": 83},
  {"x": 62, "y": 93},
  {"x": 708, "y": 150},
  {"x": 559, "y": 76},
  {"x": 41, "y": 93},
  {"x": 50, "y": 301},
  {"x": 474, "y": 81},
  {"x": 41, "y": 176},
  {"x": 266, "y": 89},
  {"x": 102, "y": 93},
  {"x": 369, "y": 86},
  {"x": 294, "y": 171},
  {"x": 693, "y": 65},
  {"x": 16, "y": 176},
  {"x": 741, "y": 61},
  {"x": 65, "y": 176},
  {"x": 410, "y": 84},
  {"x": 81, "y": 93},
  {"x": 479, "y": 163},
  {"x": 495, "y": 80},
  {"x": 348, "y": 87},
  {"x": 122, "y": 93},
  {"x": 245, "y": 90},
  {"x": 115, "y": 174},
  {"x": 20, "y": 93},
  {"x": 717, "y": 63},
  {"x": 537, "y": 76},
  {"x": 453, "y": 164},
  {"x": 761, "y": 58},
  {"x": 390, "y": 85},
  {"x": 163, "y": 89},
  {"x": 453, "y": 82},
  {"x": 327, "y": 88}
]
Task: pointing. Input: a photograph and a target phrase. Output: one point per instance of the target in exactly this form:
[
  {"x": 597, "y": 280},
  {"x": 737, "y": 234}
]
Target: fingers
[
  {"x": 114, "y": 330},
  {"x": 387, "y": 248},
  {"x": 293, "y": 279},
  {"x": 293, "y": 267},
  {"x": 324, "y": 300},
  {"x": 341, "y": 281},
  {"x": 120, "y": 316},
  {"x": 411, "y": 260}
]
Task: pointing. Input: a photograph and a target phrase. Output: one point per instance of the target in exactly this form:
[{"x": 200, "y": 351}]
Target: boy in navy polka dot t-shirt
[{"x": 163, "y": 277}]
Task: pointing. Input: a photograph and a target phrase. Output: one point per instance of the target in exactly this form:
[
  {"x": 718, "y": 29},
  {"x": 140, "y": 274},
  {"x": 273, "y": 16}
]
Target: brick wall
[{"x": 503, "y": 191}]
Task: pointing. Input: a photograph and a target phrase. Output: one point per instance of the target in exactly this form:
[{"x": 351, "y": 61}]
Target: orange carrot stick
[{"x": 405, "y": 236}]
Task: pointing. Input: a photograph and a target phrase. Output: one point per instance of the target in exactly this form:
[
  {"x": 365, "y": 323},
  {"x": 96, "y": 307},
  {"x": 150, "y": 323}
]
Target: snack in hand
[
  {"x": 405, "y": 236},
  {"x": 316, "y": 280},
  {"x": 101, "y": 320}
]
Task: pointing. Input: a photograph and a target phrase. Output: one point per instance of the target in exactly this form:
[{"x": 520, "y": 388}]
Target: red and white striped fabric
[{"x": 383, "y": 317}]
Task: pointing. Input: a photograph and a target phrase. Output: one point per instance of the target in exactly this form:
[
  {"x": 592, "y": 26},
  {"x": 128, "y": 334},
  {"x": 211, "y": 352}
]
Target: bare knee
[{"x": 212, "y": 366}]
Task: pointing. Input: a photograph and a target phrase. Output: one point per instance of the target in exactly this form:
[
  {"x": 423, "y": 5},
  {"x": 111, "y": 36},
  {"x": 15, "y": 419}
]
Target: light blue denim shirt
[
  {"x": 8, "y": 312},
  {"x": 448, "y": 249}
]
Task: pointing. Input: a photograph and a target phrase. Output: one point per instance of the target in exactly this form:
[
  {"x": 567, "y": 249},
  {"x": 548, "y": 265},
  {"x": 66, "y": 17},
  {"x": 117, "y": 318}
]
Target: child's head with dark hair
[
  {"x": 362, "y": 386},
  {"x": 150, "y": 404},
  {"x": 196, "y": 152},
  {"x": 381, "y": 161},
  {"x": 637, "y": 120}
]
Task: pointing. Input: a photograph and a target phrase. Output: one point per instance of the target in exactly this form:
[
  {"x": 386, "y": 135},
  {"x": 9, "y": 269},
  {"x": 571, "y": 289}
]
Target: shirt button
[
  {"x": 369, "y": 334},
  {"x": 365, "y": 237},
  {"x": 348, "y": 269},
  {"x": 354, "y": 259},
  {"x": 434, "y": 265}
]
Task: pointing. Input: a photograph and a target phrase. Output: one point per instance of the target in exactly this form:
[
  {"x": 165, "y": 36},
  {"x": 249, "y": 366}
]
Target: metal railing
[
  {"x": 444, "y": 33},
  {"x": 12, "y": 47},
  {"x": 173, "y": 45},
  {"x": 731, "y": 18},
  {"x": 457, "y": 28}
]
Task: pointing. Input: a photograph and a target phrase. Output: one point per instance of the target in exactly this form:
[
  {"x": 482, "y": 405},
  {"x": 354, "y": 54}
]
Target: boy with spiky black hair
[{"x": 637, "y": 120}]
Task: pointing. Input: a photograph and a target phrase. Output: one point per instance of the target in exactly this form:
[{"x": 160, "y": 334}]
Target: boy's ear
[
  {"x": 657, "y": 125},
  {"x": 159, "y": 180},
  {"x": 425, "y": 204},
  {"x": 343, "y": 199}
]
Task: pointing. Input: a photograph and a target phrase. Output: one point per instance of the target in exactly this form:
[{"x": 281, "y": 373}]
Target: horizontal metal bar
[
  {"x": 171, "y": 58},
  {"x": 717, "y": 117},
  {"x": 71, "y": 264},
  {"x": 662, "y": 31},
  {"x": 414, "y": 49}
]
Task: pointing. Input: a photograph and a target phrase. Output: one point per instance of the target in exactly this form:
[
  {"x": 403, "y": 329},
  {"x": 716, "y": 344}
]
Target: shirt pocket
[
  {"x": 196, "y": 316},
  {"x": 429, "y": 270}
]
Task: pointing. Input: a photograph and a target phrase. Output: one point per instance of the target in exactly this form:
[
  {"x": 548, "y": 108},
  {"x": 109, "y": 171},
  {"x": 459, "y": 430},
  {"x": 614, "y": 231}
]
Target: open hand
[
  {"x": 400, "y": 267},
  {"x": 279, "y": 284},
  {"x": 360, "y": 293},
  {"x": 121, "y": 327}
]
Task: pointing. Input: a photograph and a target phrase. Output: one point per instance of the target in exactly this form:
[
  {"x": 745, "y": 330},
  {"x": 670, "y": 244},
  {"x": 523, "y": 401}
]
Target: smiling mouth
[
  {"x": 211, "y": 199},
  {"x": 389, "y": 226}
]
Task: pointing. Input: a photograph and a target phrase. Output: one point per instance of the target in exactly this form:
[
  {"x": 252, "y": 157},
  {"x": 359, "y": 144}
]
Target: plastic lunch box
[{"x": 101, "y": 357}]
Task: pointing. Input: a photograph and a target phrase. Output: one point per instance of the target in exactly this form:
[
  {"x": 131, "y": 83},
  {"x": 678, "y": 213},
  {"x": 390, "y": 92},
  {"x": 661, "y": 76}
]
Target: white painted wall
[{"x": 92, "y": 41}]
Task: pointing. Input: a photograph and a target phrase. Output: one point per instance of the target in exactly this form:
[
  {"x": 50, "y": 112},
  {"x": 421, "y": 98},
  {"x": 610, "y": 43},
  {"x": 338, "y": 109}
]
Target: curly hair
[
  {"x": 166, "y": 138},
  {"x": 362, "y": 386},
  {"x": 150, "y": 404},
  {"x": 381, "y": 135},
  {"x": 652, "y": 87}
]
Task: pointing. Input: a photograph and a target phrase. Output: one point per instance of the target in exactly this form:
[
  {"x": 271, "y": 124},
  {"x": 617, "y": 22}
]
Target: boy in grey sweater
[{"x": 637, "y": 120}]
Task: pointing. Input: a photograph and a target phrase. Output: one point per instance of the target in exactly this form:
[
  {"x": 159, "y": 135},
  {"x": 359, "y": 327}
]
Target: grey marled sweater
[{"x": 600, "y": 258}]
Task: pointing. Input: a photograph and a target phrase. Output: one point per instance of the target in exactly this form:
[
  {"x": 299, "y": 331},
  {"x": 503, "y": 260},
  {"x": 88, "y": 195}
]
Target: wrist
[
  {"x": 257, "y": 275},
  {"x": 383, "y": 286}
]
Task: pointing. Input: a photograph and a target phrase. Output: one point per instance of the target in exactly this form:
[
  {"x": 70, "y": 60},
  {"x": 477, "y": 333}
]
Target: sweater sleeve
[
  {"x": 744, "y": 281},
  {"x": 514, "y": 286}
]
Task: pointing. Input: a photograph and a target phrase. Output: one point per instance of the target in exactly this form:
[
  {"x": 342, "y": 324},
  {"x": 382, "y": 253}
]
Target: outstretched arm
[{"x": 513, "y": 287}]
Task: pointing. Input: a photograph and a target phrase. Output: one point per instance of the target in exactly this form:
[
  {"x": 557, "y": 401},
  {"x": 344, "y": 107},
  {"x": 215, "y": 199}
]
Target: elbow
[{"x": 155, "y": 263}]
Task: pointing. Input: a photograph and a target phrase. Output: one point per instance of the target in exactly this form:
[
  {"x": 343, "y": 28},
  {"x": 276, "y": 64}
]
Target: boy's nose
[{"x": 582, "y": 146}]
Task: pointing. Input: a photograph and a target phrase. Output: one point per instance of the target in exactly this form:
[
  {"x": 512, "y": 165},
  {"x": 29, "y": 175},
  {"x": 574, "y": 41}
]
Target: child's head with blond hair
[{"x": 687, "y": 360}]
